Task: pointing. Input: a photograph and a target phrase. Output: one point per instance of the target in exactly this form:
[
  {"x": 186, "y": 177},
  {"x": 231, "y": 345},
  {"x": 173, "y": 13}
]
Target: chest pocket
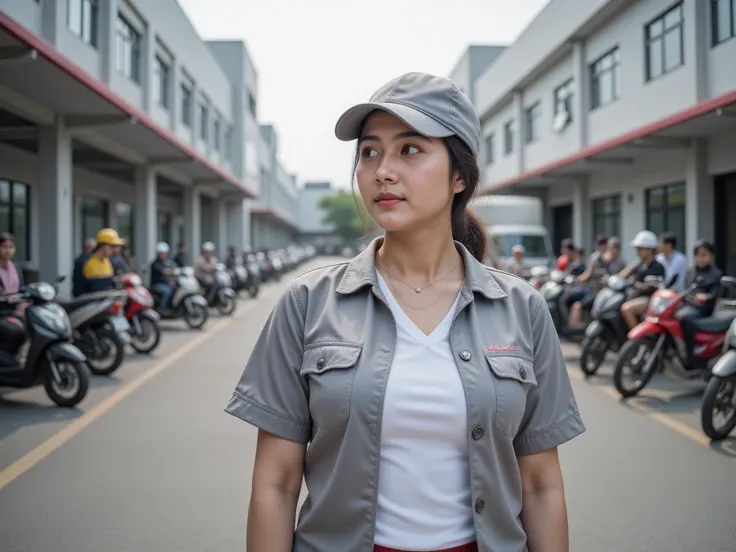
[
  {"x": 513, "y": 377},
  {"x": 330, "y": 370}
]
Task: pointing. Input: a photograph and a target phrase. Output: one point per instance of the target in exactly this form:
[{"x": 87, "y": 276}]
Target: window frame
[
  {"x": 129, "y": 38},
  {"x": 187, "y": 104},
  {"x": 13, "y": 206},
  {"x": 596, "y": 72},
  {"x": 489, "y": 147},
  {"x": 602, "y": 214},
  {"x": 714, "y": 20},
  {"x": 204, "y": 121},
  {"x": 666, "y": 209},
  {"x": 162, "y": 81},
  {"x": 87, "y": 201},
  {"x": 559, "y": 101},
  {"x": 508, "y": 137},
  {"x": 532, "y": 118},
  {"x": 75, "y": 13},
  {"x": 661, "y": 38}
]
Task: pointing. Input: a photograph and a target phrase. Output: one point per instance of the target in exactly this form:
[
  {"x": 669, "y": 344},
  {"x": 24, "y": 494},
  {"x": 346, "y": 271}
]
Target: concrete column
[
  {"x": 582, "y": 229},
  {"x": 148, "y": 51},
  {"x": 520, "y": 137},
  {"x": 699, "y": 196},
  {"x": 146, "y": 215},
  {"x": 53, "y": 18},
  {"x": 108, "y": 22},
  {"x": 192, "y": 221},
  {"x": 246, "y": 230},
  {"x": 580, "y": 100},
  {"x": 221, "y": 208},
  {"x": 55, "y": 198},
  {"x": 697, "y": 26}
]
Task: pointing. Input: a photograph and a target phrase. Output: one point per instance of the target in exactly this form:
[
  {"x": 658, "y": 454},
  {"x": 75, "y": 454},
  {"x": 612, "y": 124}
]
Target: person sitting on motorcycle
[
  {"x": 516, "y": 264},
  {"x": 567, "y": 250},
  {"x": 646, "y": 245},
  {"x": 583, "y": 296},
  {"x": 77, "y": 277},
  {"x": 674, "y": 262},
  {"x": 119, "y": 263},
  {"x": 707, "y": 279},
  {"x": 161, "y": 271},
  {"x": 98, "y": 273},
  {"x": 204, "y": 269},
  {"x": 232, "y": 258},
  {"x": 613, "y": 256},
  {"x": 11, "y": 278}
]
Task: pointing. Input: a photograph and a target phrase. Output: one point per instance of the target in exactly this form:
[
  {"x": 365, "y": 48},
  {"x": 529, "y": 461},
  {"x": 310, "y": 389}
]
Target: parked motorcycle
[
  {"x": 100, "y": 329},
  {"x": 607, "y": 331},
  {"x": 221, "y": 295},
  {"x": 661, "y": 339},
  {"x": 145, "y": 333},
  {"x": 719, "y": 400},
  {"x": 553, "y": 292},
  {"x": 253, "y": 283},
  {"x": 186, "y": 302},
  {"x": 46, "y": 357},
  {"x": 538, "y": 276}
]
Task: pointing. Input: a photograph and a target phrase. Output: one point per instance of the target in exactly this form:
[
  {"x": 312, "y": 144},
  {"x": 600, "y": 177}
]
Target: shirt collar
[{"x": 361, "y": 272}]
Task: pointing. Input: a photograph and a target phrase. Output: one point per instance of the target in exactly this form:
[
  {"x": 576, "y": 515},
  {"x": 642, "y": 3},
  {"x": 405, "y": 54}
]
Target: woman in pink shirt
[{"x": 11, "y": 278}]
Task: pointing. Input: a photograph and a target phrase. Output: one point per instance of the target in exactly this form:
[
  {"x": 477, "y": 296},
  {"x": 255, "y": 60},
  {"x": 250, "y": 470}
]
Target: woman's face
[
  {"x": 7, "y": 250},
  {"x": 403, "y": 178}
]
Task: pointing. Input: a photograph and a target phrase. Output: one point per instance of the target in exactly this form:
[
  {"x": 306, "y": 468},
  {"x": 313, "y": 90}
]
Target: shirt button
[
  {"x": 478, "y": 432},
  {"x": 321, "y": 363},
  {"x": 465, "y": 355},
  {"x": 522, "y": 373},
  {"x": 479, "y": 505}
]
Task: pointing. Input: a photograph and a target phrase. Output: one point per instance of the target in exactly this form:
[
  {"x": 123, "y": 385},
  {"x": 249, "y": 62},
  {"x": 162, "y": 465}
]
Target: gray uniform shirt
[{"x": 318, "y": 372}]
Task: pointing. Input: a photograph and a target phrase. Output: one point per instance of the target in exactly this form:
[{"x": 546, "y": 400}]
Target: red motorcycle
[
  {"x": 659, "y": 339},
  {"x": 145, "y": 332}
]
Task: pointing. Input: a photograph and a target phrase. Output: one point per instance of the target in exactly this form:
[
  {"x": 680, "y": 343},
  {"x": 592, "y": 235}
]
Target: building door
[
  {"x": 562, "y": 221},
  {"x": 725, "y": 223}
]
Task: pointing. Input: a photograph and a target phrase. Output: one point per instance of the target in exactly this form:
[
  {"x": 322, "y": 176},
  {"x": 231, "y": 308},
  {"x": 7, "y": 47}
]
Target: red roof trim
[
  {"x": 48, "y": 51},
  {"x": 274, "y": 214},
  {"x": 702, "y": 108}
]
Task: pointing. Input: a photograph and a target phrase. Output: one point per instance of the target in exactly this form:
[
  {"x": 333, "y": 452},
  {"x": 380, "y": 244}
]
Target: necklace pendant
[{"x": 418, "y": 290}]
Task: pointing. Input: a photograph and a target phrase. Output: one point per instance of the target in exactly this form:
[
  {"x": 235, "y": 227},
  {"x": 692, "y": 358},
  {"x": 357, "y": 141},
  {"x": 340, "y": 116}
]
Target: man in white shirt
[{"x": 674, "y": 262}]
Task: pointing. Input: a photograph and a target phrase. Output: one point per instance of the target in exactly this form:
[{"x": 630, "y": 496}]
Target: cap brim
[{"x": 349, "y": 125}]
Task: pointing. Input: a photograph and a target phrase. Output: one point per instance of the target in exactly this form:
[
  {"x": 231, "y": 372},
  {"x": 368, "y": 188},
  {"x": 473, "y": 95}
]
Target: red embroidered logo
[{"x": 501, "y": 348}]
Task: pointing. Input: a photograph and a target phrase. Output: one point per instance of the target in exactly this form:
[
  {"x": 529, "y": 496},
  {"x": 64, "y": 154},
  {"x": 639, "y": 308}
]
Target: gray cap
[{"x": 433, "y": 106}]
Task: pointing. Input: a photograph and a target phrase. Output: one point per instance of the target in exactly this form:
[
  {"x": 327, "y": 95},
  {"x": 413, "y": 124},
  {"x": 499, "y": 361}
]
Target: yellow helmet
[{"x": 108, "y": 236}]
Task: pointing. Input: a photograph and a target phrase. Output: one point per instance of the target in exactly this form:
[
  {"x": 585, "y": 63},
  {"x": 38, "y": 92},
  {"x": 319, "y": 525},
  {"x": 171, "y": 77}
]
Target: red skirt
[{"x": 470, "y": 547}]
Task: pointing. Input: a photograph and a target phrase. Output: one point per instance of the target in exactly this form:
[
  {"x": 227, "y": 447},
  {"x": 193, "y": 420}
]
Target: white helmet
[
  {"x": 162, "y": 247},
  {"x": 646, "y": 239},
  {"x": 208, "y": 246}
]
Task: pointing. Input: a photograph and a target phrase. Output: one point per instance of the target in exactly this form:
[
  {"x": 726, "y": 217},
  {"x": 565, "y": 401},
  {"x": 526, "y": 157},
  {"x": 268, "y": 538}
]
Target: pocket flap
[
  {"x": 512, "y": 367},
  {"x": 323, "y": 358}
]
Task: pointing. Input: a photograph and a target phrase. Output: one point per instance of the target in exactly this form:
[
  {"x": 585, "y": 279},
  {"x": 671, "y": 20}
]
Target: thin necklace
[
  {"x": 416, "y": 289},
  {"x": 412, "y": 307}
]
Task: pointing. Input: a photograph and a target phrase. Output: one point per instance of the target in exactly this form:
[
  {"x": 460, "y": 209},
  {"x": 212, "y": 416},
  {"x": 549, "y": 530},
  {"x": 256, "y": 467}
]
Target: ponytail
[{"x": 467, "y": 227}]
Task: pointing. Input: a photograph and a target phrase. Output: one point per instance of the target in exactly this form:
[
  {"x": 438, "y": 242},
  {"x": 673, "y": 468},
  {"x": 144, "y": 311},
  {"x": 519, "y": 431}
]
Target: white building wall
[{"x": 503, "y": 166}]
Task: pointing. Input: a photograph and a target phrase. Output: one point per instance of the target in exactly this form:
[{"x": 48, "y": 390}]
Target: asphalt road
[{"x": 151, "y": 461}]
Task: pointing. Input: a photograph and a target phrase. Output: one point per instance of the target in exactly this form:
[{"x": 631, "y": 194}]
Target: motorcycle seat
[
  {"x": 719, "y": 322},
  {"x": 86, "y": 299}
]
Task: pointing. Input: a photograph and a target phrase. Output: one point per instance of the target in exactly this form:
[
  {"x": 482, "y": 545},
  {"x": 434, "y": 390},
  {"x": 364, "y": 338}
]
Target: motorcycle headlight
[
  {"x": 659, "y": 304},
  {"x": 55, "y": 318}
]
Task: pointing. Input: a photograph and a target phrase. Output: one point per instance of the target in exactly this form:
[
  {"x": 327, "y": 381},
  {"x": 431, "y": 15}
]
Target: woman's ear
[{"x": 458, "y": 184}]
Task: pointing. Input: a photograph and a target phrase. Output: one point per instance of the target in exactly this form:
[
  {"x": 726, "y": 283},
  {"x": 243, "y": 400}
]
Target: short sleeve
[
  {"x": 271, "y": 394},
  {"x": 552, "y": 416}
]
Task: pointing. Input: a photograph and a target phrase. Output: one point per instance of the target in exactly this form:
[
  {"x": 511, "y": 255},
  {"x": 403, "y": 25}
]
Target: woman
[
  {"x": 11, "y": 279},
  {"x": 431, "y": 389}
]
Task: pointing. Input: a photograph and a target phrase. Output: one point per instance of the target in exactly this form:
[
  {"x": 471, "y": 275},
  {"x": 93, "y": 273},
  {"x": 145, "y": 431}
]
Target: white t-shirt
[
  {"x": 424, "y": 498},
  {"x": 676, "y": 264}
]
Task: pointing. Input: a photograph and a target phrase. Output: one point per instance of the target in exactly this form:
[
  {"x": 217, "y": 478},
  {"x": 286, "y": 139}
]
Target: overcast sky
[{"x": 315, "y": 58}]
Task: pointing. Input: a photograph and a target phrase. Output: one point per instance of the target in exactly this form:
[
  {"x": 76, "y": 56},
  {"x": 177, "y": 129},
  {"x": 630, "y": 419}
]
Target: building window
[
  {"x": 665, "y": 43},
  {"x": 508, "y": 137},
  {"x": 128, "y": 47},
  {"x": 216, "y": 132},
  {"x": 126, "y": 224},
  {"x": 94, "y": 217},
  {"x": 607, "y": 216},
  {"x": 531, "y": 123},
  {"x": 605, "y": 79},
  {"x": 252, "y": 107},
  {"x": 204, "y": 121},
  {"x": 665, "y": 210},
  {"x": 228, "y": 143},
  {"x": 723, "y": 19},
  {"x": 563, "y": 98},
  {"x": 186, "y": 105},
  {"x": 162, "y": 82},
  {"x": 82, "y": 20},
  {"x": 490, "y": 146},
  {"x": 15, "y": 216}
]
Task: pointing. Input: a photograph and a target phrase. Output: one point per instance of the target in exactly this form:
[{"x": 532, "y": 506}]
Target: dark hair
[
  {"x": 601, "y": 239},
  {"x": 467, "y": 227},
  {"x": 7, "y": 236},
  {"x": 668, "y": 238},
  {"x": 701, "y": 244}
]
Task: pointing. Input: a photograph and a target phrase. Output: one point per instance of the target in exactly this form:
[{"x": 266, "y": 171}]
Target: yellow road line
[{"x": 26, "y": 462}]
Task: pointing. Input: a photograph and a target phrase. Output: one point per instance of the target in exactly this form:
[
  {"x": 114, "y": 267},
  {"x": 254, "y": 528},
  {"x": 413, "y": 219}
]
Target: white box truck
[{"x": 515, "y": 220}]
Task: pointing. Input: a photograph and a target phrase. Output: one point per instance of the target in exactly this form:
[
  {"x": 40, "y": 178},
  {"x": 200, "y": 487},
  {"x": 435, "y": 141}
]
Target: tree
[{"x": 347, "y": 214}]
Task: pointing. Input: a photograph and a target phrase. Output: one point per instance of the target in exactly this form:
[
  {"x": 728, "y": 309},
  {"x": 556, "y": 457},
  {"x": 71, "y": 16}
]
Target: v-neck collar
[{"x": 439, "y": 333}]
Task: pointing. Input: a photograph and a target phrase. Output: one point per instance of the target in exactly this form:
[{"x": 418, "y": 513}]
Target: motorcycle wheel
[
  {"x": 197, "y": 318},
  {"x": 151, "y": 330},
  {"x": 74, "y": 388},
  {"x": 253, "y": 290},
  {"x": 718, "y": 393},
  {"x": 227, "y": 306},
  {"x": 626, "y": 358},
  {"x": 116, "y": 352},
  {"x": 592, "y": 355}
]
